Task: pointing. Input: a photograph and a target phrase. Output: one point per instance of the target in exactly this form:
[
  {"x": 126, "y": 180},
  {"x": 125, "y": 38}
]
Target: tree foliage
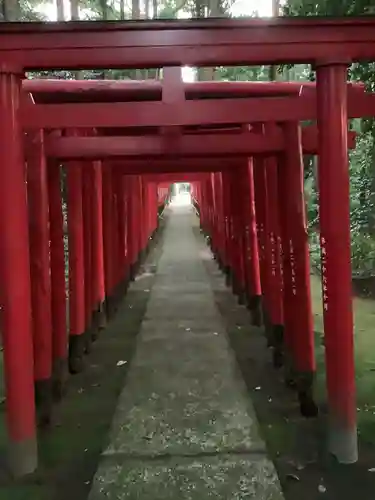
[{"x": 362, "y": 159}]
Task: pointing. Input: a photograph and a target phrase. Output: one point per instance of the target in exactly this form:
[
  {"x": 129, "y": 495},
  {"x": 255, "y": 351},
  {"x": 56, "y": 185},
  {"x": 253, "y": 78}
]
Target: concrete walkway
[{"x": 184, "y": 428}]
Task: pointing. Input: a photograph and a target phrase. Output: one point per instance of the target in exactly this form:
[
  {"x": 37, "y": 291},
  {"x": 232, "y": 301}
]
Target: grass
[
  {"x": 364, "y": 341},
  {"x": 298, "y": 446}
]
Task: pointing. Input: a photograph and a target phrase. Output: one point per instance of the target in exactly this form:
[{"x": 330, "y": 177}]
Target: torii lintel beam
[
  {"x": 47, "y": 91},
  {"x": 186, "y": 113},
  {"x": 197, "y": 166},
  {"x": 245, "y": 144},
  {"x": 177, "y": 177},
  {"x": 208, "y": 42}
]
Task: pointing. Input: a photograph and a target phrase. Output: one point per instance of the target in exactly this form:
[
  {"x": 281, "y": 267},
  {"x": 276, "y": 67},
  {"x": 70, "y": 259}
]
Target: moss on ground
[
  {"x": 298, "y": 446},
  {"x": 69, "y": 453},
  {"x": 364, "y": 341}
]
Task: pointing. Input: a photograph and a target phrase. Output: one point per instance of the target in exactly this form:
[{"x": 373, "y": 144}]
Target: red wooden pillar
[
  {"x": 151, "y": 195},
  {"x": 121, "y": 222},
  {"x": 205, "y": 204},
  {"x": 108, "y": 249},
  {"x": 145, "y": 213},
  {"x": 213, "y": 232},
  {"x": 228, "y": 227},
  {"x": 116, "y": 268},
  {"x": 141, "y": 215},
  {"x": 148, "y": 213},
  {"x": 156, "y": 219},
  {"x": 273, "y": 256},
  {"x": 129, "y": 224},
  {"x": 215, "y": 239},
  {"x": 76, "y": 268},
  {"x": 199, "y": 193},
  {"x": 37, "y": 191},
  {"x": 266, "y": 202},
  {"x": 260, "y": 197},
  {"x": 221, "y": 221},
  {"x": 98, "y": 291},
  {"x": 236, "y": 201},
  {"x": 138, "y": 219},
  {"x": 202, "y": 206},
  {"x": 213, "y": 220},
  {"x": 286, "y": 208},
  {"x": 58, "y": 281},
  {"x": 254, "y": 290},
  {"x": 336, "y": 259},
  {"x": 87, "y": 188},
  {"x": 207, "y": 191},
  {"x": 299, "y": 355},
  {"x": 132, "y": 226},
  {"x": 212, "y": 216},
  {"x": 152, "y": 214},
  {"x": 15, "y": 283}
]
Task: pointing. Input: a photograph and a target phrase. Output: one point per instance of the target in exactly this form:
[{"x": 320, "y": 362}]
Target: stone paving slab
[
  {"x": 183, "y": 349},
  {"x": 165, "y": 289},
  {"x": 173, "y": 407},
  {"x": 180, "y": 328},
  {"x": 180, "y": 338},
  {"x": 168, "y": 311},
  {"x": 219, "y": 478},
  {"x": 184, "y": 427}
]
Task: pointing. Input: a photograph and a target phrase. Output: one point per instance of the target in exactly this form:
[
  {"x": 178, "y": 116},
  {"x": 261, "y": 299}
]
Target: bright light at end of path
[{"x": 182, "y": 199}]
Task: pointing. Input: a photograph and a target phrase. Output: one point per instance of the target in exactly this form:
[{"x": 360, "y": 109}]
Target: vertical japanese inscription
[
  {"x": 323, "y": 250},
  {"x": 292, "y": 267},
  {"x": 273, "y": 254}
]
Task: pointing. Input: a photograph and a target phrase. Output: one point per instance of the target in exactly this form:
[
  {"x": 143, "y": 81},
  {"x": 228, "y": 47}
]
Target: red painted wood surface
[
  {"x": 336, "y": 260},
  {"x": 39, "y": 255},
  {"x": 15, "y": 288},
  {"x": 76, "y": 252},
  {"x": 210, "y": 42},
  {"x": 57, "y": 255}
]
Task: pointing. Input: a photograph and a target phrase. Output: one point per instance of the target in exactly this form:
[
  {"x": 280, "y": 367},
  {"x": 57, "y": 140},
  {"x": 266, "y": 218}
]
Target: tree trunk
[
  {"x": 104, "y": 9},
  {"x": 60, "y": 10},
  {"x": 275, "y": 13},
  {"x": 122, "y": 10},
  {"x": 74, "y": 16},
  {"x": 11, "y": 10},
  {"x": 147, "y": 9},
  {"x": 74, "y": 10},
  {"x": 136, "y": 11},
  {"x": 136, "y": 14},
  {"x": 213, "y": 8}
]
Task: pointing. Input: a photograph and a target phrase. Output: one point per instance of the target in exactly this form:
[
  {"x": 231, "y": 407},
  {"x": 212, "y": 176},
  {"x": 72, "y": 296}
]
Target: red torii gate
[
  {"x": 211, "y": 42},
  {"x": 222, "y": 108},
  {"x": 230, "y": 144},
  {"x": 140, "y": 168},
  {"x": 184, "y": 146}
]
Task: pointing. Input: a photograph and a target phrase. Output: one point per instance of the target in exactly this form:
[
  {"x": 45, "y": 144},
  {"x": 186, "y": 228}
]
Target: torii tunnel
[{"x": 122, "y": 144}]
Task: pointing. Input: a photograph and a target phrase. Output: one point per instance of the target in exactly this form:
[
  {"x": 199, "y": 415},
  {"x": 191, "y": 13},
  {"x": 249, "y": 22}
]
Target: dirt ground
[{"x": 71, "y": 450}]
